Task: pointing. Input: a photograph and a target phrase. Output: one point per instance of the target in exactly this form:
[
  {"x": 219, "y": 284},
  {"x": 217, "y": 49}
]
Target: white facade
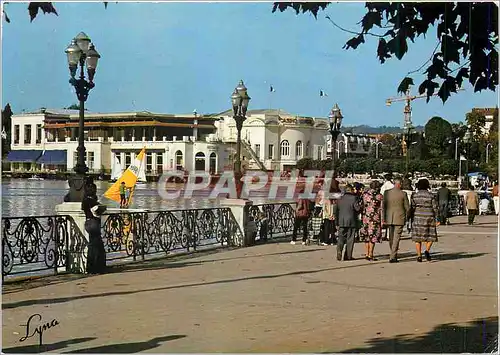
[
  {"x": 275, "y": 138},
  {"x": 271, "y": 140},
  {"x": 352, "y": 144}
]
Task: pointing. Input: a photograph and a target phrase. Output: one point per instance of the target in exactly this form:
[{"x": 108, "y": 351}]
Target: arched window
[
  {"x": 285, "y": 148},
  {"x": 213, "y": 163},
  {"x": 199, "y": 161},
  {"x": 298, "y": 149},
  {"x": 179, "y": 162}
]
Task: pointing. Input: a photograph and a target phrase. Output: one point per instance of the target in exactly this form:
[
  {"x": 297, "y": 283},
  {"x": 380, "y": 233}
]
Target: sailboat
[
  {"x": 141, "y": 179},
  {"x": 129, "y": 177},
  {"x": 116, "y": 169}
]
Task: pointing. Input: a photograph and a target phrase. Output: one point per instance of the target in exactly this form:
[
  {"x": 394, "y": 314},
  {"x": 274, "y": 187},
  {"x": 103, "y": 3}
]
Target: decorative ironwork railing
[
  {"x": 152, "y": 233},
  {"x": 273, "y": 220},
  {"x": 40, "y": 244}
]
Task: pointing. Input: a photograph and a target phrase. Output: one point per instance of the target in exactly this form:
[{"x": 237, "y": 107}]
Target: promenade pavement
[{"x": 274, "y": 298}]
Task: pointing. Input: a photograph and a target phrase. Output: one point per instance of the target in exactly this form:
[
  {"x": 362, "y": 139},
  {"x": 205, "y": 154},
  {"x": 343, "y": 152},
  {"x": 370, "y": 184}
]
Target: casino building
[{"x": 45, "y": 140}]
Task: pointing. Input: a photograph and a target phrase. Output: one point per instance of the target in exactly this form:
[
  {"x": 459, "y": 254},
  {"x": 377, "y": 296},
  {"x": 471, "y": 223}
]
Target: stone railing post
[
  {"x": 240, "y": 209},
  {"x": 76, "y": 252}
]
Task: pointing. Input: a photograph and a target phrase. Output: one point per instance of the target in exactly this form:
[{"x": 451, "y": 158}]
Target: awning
[
  {"x": 23, "y": 156},
  {"x": 53, "y": 157}
]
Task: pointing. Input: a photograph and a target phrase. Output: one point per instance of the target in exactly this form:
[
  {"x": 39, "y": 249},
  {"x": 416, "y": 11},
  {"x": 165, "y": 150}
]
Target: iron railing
[
  {"x": 43, "y": 245},
  {"x": 154, "y": 233},
  {"x": 273, "y": 220},
  {"x": 40, "y": 244}
]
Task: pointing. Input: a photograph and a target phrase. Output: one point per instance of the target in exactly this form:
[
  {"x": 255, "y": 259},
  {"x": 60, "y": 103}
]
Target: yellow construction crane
[{"x": 407, "y": 124}]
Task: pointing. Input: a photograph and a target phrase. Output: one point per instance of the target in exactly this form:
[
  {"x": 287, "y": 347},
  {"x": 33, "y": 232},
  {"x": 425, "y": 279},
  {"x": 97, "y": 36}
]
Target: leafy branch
[{"x": 467, "y": 35}]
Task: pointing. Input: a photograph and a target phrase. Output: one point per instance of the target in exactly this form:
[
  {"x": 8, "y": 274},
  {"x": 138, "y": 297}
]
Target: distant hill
[{"x": 364, "y": 129}]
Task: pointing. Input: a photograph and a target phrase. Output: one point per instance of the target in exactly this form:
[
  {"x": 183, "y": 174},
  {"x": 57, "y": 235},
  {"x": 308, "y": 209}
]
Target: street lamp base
[{"x": 77, "y": 185}]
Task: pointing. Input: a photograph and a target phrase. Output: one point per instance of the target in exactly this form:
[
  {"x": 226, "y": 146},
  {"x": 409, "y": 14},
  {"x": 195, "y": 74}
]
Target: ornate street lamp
[
  {"x": 239, "y": 100},
  {"x": 80, "y": 52},
  {"x": 335, "y": 124},
  {"x": 467, "y": 140}
]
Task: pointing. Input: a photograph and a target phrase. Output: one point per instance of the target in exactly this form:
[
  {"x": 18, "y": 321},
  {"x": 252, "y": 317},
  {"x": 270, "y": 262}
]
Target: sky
[{"x": 177, "y": 57}]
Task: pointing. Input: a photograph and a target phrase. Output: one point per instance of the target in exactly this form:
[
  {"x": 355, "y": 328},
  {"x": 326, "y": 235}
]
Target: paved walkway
[{"x": 275, "y": 298}]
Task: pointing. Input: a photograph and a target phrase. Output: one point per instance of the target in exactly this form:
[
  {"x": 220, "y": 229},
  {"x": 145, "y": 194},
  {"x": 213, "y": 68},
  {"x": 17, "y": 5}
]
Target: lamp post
[
  {"x": 239, "y": 100},
  {"x": 80, "y": 52},
  {"x": 488, "y": 146},
  {"x": 467, "y": 140},
  {"x": 335, "y": 124}
]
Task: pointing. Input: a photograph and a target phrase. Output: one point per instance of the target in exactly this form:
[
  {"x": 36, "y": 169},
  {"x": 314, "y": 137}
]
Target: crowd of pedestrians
[{"x": 376, "y": 213}]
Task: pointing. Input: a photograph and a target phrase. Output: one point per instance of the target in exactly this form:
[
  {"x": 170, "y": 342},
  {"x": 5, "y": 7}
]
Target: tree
[
  {"x": 390, "y": 147},
  {"x": 467, "y": 35},
  {"x": 73, "y": 107},
  {"x": 35, "y": 7},
  {"x": 6, "y": 128},
  {"x": 476, "y": 122},
  {"x": 438, "y": 133}
]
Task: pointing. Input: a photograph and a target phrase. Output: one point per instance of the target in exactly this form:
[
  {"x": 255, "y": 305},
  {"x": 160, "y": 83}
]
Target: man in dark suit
[
  {"x": 396, "y": 212},
  {"x": 347, "y": 212}
]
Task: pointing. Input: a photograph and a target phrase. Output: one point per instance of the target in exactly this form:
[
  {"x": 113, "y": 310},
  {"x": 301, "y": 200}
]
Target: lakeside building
[
  {"x": 352, "y": 145},
  {"x": 46, "y": 140}
]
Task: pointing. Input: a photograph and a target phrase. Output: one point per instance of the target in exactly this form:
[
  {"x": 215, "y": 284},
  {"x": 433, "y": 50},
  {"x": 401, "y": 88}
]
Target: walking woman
[
  {"x": 329, "y": 212},
  {"x": 301, "y": 217},
  {"x": 371, "y": 218},
  {"x": 425, "y": 211}
]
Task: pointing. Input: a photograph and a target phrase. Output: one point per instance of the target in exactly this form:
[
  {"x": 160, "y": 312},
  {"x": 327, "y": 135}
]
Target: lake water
[{"x": 21, "y": 197}]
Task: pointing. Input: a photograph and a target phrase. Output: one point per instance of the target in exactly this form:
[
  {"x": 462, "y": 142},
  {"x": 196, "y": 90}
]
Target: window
[
  {"x": 257, "y": 150},
  {"x": 149, "y": 162},
  {"x": 179, "y": 162},
  {"x": 298, "y": 149},
  {"x": 270, "y": 151},
  {"x": 128, "y": 160},
  {"x": 159, "y": 162},
  {"x": 308, "y": 148},
  {"x": 320, "y": 152},
  {"x": 90, "y": 160},
  {"x": 27, "y": 134},
  {"x": 285, "y": 148},
  {"x": 38, "y": 133},
  {"x": 199, "y": 161},
  {"x": 16, "y": 134}
]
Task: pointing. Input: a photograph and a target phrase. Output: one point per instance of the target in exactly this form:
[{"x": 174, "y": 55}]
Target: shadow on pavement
[
  {"x": 125, "y": 348},
  {"x": 44, "y": 348},
  {"x": 478, "y": 336},
  {"x": 339, "y": 266},
  {"x": 168, "y": 264}
]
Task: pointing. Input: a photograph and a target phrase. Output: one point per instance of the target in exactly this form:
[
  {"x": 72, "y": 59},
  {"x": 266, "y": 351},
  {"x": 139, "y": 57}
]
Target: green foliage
[
  {"x": 46, "y": 7},
  {"x": 476, "y": 122},
  {"x": 73, "y": 107},
  {"x": 305, "y": 163},
  {"x": 438, "y": 133},
  {"x": 467, "y": 35}
]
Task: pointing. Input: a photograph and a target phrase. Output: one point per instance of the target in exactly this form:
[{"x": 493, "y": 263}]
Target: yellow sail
[{"x": 129, "y": 177}]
